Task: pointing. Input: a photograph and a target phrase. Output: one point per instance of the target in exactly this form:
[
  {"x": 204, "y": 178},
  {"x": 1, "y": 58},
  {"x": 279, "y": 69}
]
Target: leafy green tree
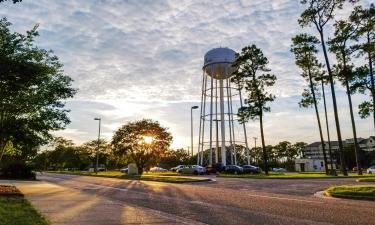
[
  {"x": 251, "y": 69},
  {"x": 318, "y": 13},
  {"x": 33, "y": 88},
  {"x": 144, "y": 141},
  {"x": 365, "y": 20},
  {"x": 304, "y": 49},
  {"x": 172, "y": 158},
  {"x": 14, "y": 1},
  {"x": 299, "y": 148},
  {"x": 339, "y": 45}
]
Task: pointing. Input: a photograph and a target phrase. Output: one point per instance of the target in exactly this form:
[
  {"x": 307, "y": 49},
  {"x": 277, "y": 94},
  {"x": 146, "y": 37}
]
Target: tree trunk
[
  {"x": 356, "y": 146},
  {"x": 341, "y": 147},
  {"x": 265, "y": 158},
  {"x": 333, "y": 172},
  {"x": 372, "y": 79},
  {"x": 319, "y": 124}
]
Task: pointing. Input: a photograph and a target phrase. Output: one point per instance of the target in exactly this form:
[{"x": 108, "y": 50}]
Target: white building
[
  {"x": 309, "y": 165},
  {"x": 312, "y": 159}
]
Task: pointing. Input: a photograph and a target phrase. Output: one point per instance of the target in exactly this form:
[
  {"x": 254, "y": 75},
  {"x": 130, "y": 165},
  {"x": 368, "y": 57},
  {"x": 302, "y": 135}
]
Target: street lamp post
[
  {"x": 97, "y": 150},
  {"x": 191, "y": 128}
]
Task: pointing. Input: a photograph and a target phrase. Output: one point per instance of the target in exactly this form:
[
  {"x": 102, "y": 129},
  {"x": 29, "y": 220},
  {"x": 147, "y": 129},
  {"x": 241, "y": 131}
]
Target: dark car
[
  {"x": 233, "y": 169},
  {"x": 251, "y": 169},
  {"x": 220, "y": 167}
]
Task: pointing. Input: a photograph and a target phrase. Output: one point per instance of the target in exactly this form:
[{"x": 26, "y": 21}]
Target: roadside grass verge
[
  {"x": 158, "y": 177},
  {"x": 352, "y": 191},
  {"x": 366, "y": 179},
  {"x": 294, "y": 176},
  {"x": 16, "y": 210}
]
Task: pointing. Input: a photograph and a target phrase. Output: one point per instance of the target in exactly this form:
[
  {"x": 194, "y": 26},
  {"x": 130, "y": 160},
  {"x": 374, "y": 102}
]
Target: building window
[{"x": 321, "y": 164}]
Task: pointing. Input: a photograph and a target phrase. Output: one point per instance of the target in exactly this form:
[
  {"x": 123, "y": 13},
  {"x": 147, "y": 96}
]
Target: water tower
[{"x": 219, "y": 130}]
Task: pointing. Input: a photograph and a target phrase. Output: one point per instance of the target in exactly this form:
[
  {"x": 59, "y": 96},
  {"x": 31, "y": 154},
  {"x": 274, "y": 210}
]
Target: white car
[
  {"x": 157, "y": 169},
  {"x": 177, "y": 168},
  {"x": 371, "y": 170},
  {"x": 278, "y": 170}
]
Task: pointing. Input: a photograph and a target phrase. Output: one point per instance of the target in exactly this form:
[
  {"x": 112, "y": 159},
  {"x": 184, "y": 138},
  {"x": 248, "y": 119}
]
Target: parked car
[
  {"x": 158, "y": 169},
  {"x": 178, "y": 168},
  {"x": 124, "y": 170},
  {"x": 371, "y": 170},
  {"x": 102, "y": 169},
  {"x": 251, "y": 169},
  {"x": 233, "y": 169},
  {"x": 279, "y": 170},
  {"x": 220, "y": 167},
  {"x": 355, "y": 169},
  {"x": 194, "y": 169}
]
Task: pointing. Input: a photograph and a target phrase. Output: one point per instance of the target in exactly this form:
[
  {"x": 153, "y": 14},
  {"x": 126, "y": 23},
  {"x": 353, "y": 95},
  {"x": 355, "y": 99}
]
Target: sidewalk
[{"x": 66, "y": 206}]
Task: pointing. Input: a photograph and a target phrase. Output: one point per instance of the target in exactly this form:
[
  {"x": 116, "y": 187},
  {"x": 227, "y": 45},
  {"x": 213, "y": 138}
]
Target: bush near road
[
  {"x": 366, "y": 179},
  {"x": 352, "y": 191}
]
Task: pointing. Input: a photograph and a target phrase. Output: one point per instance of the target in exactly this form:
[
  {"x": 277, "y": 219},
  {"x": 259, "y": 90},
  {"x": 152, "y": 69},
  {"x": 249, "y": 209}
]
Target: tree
[
  {"x": 299, "y": 148},
  {"x": 365, "y": 20},
  {"x": 145, "y": 141},
  {"x": 33, "y": 88},
  {"x": 251, "y": 69},
  {"x": 304, "y": 51},
  {"x": 319, "y": 13},
  {"x": 339, "y": 45},
  {"x": 14, "y": 1},
  {"x": 176, "y": 157}
]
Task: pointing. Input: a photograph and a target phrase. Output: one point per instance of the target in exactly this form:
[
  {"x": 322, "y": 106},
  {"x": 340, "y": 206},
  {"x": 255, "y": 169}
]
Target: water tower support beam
[
  {"x": 222, "y": 122},
  {"x": 200, "y": 121},
  {"x": 244, "y": 131},
  {"x": 229, "y": 124},
  {"x": 217, "y": 126},
  {"x": 211, "y": 114},
  {"x": 203, "y": 118},
  {"x": 232, "y": 119}
]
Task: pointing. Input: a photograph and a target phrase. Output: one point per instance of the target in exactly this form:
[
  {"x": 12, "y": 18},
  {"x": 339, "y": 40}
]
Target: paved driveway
[{"x": 226, "y": 201}]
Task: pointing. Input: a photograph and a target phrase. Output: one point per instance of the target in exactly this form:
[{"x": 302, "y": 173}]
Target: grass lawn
[
  {"x": 169, "y": 177},
  {"x": 274, "y": 175},
  {"x": 15, "y": 210},
  {"x": 366, "y": 179},
  {"x": 355, "y": 191}
]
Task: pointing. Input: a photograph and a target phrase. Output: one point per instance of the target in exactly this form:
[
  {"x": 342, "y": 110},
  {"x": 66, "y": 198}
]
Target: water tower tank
[{"x": 217, "y": 63}]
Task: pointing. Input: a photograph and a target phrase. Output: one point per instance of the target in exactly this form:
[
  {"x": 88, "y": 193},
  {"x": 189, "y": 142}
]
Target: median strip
[
  {"x": 363, "y": 192},
  {"x": 173, "y": 178}
]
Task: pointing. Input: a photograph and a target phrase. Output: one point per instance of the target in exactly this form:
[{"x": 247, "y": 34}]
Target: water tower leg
[
  {"x": 204, "y": 120},
  {"x": 232, "y": 121},
  {"x": 229, "y": 124},
  {"x": 200, "y": 120},
  {"x": 244, "y": 131},
  {"x": 217, "y": 126},
  {"x": 222, "y": 122},
  {"x": 211, "y": 114}
]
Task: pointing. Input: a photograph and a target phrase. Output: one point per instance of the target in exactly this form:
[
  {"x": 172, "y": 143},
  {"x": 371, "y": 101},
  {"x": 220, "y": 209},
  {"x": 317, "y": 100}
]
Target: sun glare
[{"x": 148, "y": 139}]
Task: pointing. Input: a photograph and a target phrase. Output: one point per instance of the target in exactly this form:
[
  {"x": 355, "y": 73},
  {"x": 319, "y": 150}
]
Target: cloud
[{"x": 135, "y": 59}]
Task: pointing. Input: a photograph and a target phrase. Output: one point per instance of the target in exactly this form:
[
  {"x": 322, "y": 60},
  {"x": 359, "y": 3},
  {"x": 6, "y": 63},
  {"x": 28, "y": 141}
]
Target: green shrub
[{"x": 16, "y": 170}]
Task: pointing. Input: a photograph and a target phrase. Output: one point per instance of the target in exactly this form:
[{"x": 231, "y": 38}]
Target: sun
[{"x": 148, "y": 139}]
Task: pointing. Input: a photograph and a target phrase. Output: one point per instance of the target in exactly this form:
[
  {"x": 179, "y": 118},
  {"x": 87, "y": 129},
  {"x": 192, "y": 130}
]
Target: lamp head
[{"x": 195, "y": 107}]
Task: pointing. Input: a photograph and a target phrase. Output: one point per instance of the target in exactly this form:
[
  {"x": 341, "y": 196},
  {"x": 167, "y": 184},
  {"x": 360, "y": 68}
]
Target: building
[
  {"x": 309, "y": 165},
  {"x": 312, "y": 159}
]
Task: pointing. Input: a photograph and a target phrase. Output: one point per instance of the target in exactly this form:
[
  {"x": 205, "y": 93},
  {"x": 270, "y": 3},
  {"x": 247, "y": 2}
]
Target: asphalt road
[{"x": 230, "y": 200}]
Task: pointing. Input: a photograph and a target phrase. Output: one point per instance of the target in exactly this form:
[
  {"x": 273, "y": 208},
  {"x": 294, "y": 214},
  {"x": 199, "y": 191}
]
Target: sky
[{"x": 134, "y": 59}]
